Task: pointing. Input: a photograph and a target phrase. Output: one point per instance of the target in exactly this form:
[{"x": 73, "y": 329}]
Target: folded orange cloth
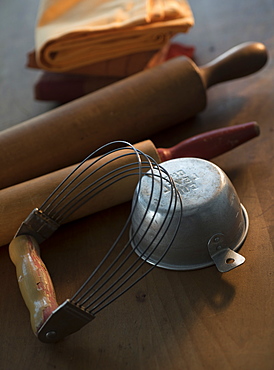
[
  {"x": 117, "y": 67},
  {"x": 74, "y": 33}
]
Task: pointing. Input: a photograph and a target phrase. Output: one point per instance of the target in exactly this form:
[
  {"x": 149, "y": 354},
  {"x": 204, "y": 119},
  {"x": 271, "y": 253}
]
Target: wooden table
[{"x": 171, "y": 320}]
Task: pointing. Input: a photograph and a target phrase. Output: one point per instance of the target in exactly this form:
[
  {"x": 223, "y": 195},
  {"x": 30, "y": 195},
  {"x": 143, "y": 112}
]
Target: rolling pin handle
[
  {"x": 240, "y": 61},
  {"x": 212, "y": 143}
]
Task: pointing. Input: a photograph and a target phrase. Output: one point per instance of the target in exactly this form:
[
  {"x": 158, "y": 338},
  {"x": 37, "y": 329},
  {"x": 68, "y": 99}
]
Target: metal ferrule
[
  {"x": 39, "y": 225},
  {"x": 65, "y": 320}
]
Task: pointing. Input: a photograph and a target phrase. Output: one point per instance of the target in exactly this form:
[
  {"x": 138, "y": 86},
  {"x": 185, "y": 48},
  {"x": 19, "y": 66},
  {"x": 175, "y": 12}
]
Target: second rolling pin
[
  {"x": 131, "y": 109},
  {"x": 19, "y": 200}
]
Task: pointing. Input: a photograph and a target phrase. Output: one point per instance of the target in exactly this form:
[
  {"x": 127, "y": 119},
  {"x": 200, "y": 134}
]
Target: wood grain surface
[{"x": 171, "y": 320}]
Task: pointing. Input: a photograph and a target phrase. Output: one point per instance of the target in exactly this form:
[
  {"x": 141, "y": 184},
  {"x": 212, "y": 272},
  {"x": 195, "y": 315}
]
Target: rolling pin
[
  {"x": 19, "y": 200},
  {"x": 131, "y": 110}
]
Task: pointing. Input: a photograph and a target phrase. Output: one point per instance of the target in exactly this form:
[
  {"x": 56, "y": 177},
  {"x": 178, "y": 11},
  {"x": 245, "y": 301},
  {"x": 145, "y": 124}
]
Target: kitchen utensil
[
  {"x": 119, "y": 270},
  {"x": 214, "y": 223},
  {"x": 18, "y": 201},
  {"x": 132, "y": 109}
]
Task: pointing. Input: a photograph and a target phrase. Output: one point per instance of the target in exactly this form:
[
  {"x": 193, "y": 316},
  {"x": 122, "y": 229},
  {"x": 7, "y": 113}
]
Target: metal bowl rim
[{"x": 201, "y": 265}]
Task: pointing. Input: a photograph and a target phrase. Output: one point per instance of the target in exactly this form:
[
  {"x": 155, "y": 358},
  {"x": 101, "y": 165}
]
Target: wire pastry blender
[{"x": 121, "y": 267}]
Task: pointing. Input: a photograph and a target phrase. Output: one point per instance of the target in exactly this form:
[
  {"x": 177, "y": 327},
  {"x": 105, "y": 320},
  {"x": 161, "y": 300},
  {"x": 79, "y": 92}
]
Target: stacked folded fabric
[
  {"x": 84, "y": 45},
  {"x": 64, "y": 87},
  {"x": 74, "y": 33}
]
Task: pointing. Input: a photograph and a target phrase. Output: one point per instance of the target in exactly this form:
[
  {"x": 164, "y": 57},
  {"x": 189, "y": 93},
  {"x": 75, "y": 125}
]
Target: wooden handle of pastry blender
[
  {"x": 34, "y": 280},
  {"x": 131, "y": 109}
]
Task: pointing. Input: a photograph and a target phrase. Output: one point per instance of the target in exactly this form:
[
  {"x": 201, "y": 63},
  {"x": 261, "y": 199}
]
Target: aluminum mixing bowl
[{"x": 214, "y": 223}]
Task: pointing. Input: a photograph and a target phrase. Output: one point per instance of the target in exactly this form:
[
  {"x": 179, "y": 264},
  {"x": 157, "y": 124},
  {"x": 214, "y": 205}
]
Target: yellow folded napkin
[{"x": 75, "y": 33}]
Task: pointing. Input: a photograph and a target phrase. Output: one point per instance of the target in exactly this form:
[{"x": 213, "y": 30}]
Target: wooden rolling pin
[
  {"x": 131, "y": 110},
  {"x": 19, "y": 200}
]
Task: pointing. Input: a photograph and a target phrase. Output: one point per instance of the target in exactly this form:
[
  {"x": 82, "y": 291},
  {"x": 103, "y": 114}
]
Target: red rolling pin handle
[{"x": 211, "y": 144}]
